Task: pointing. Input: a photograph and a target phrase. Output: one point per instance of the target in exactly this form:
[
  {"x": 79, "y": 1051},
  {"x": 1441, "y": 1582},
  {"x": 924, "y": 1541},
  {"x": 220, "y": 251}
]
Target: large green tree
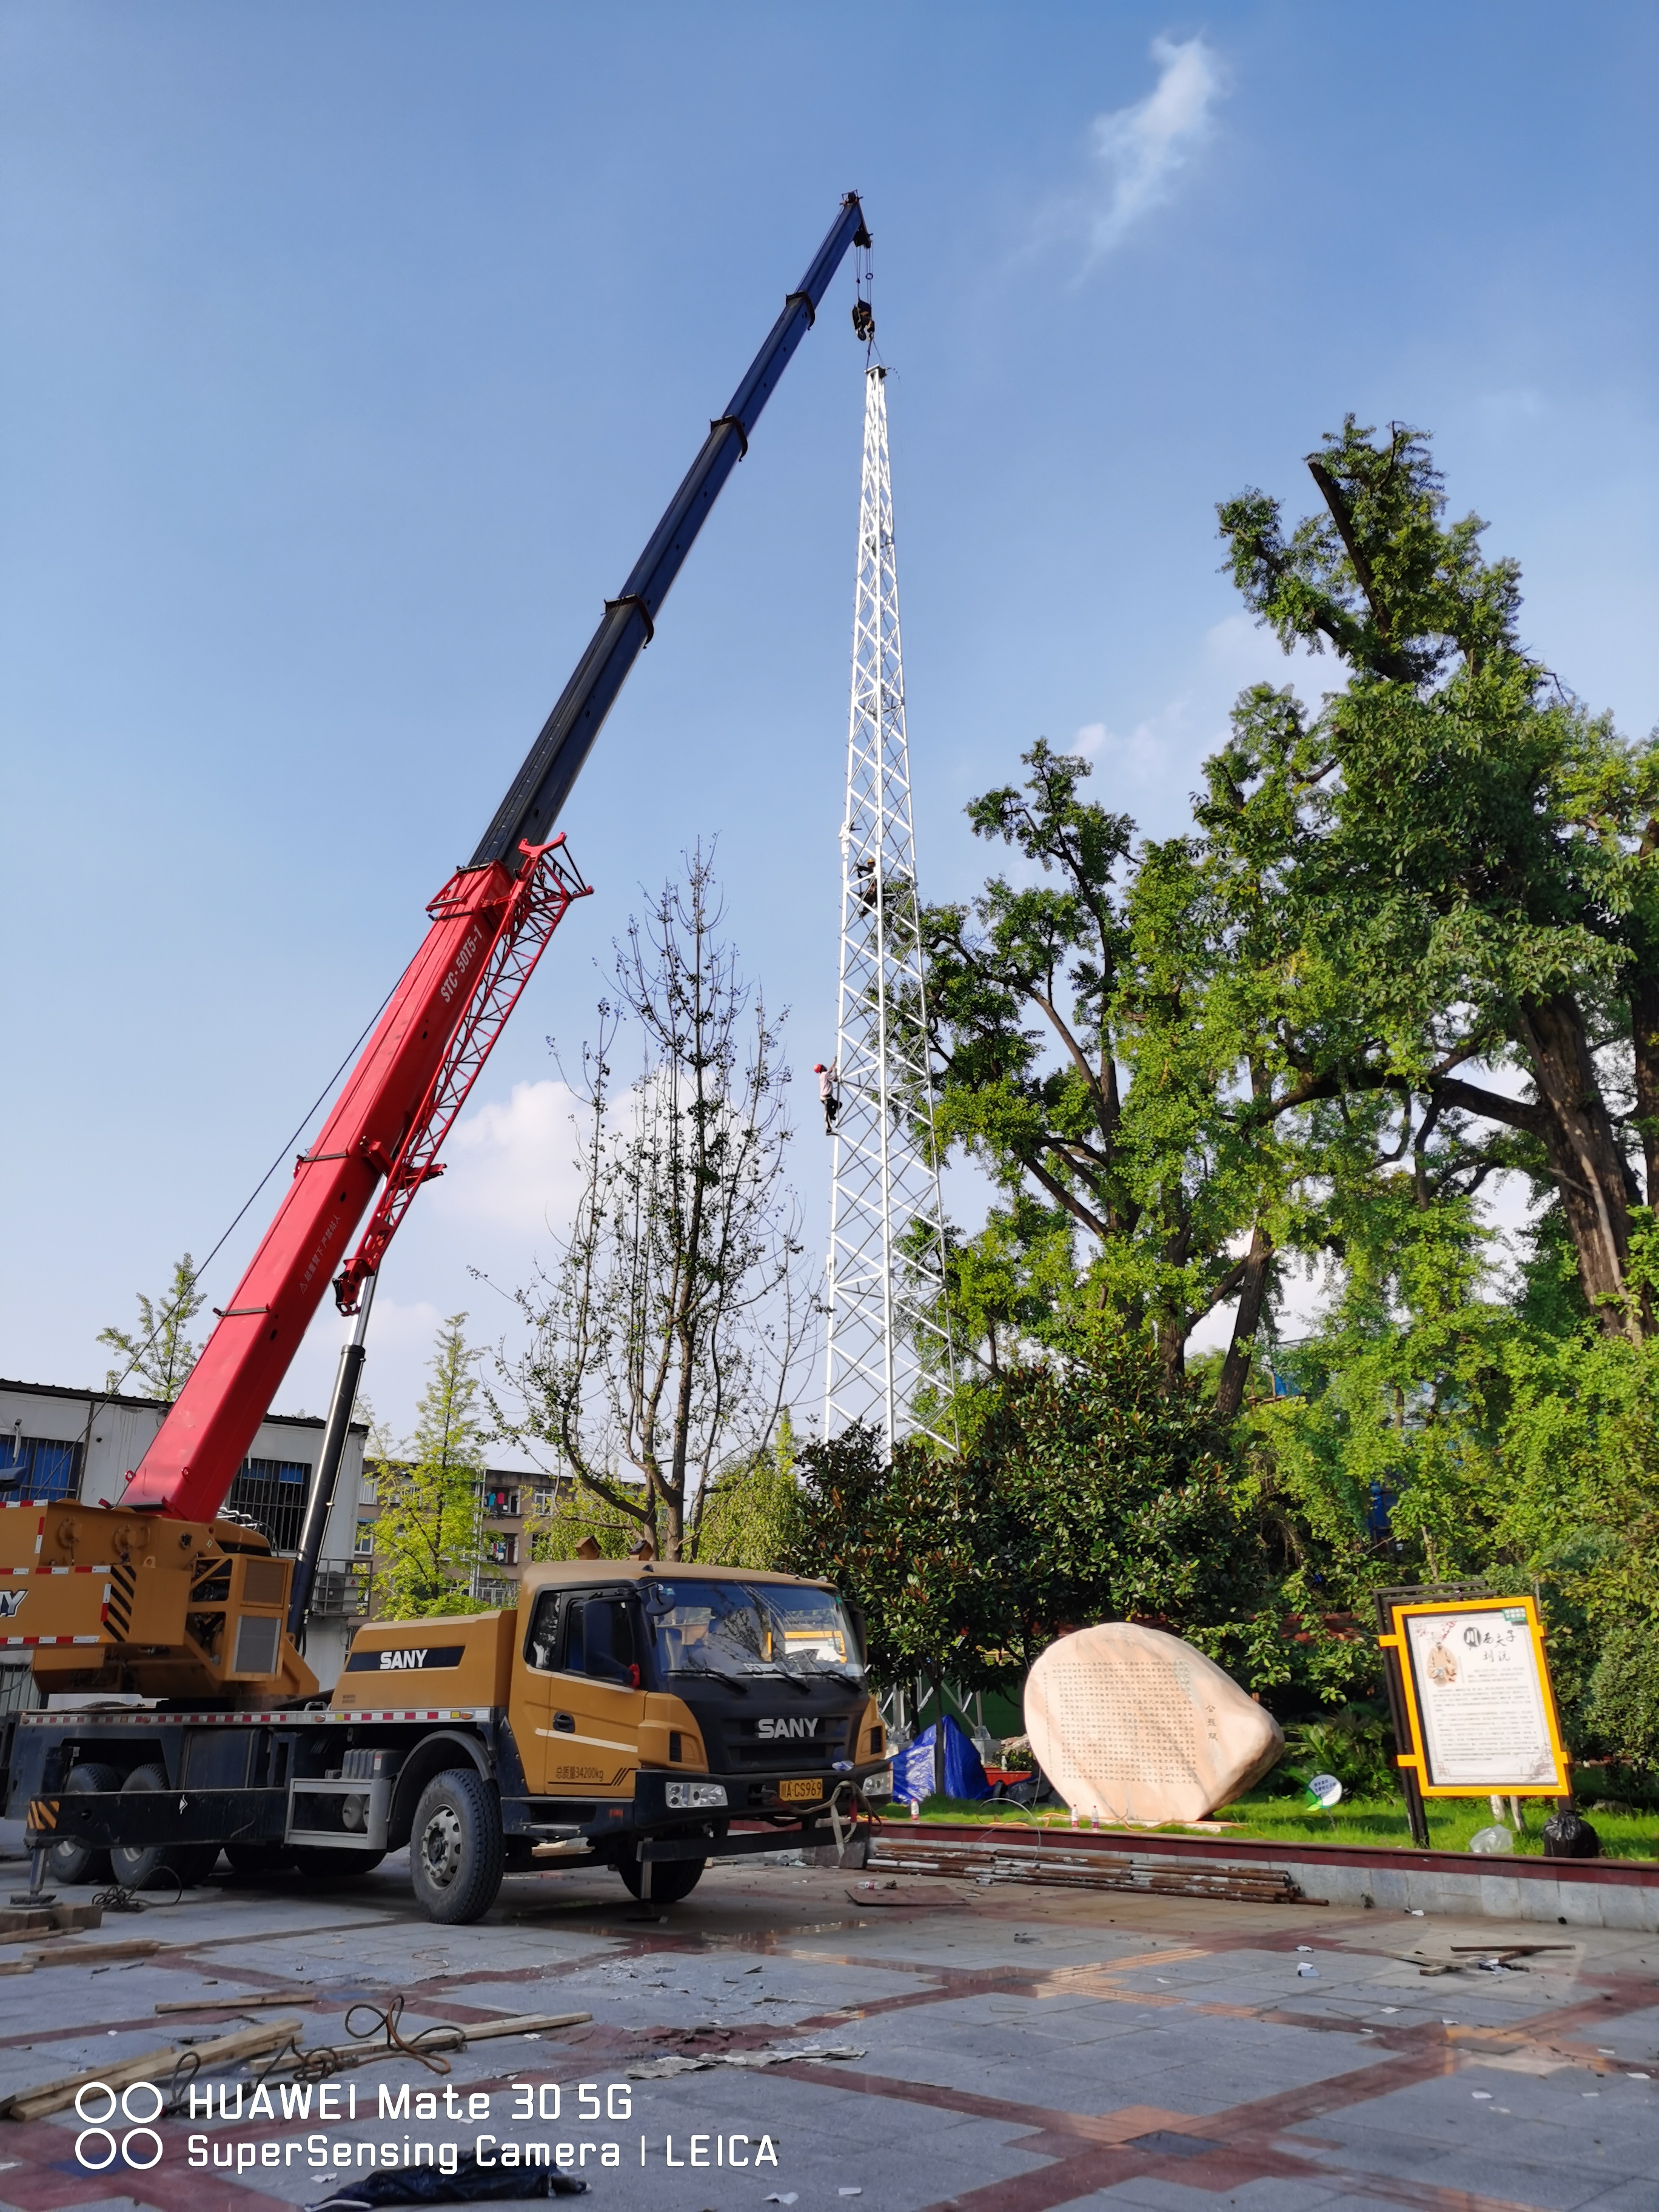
[
  {"x": 1077, "y": 1059},
  {"x": 1089, "y": 1491},
  {"x": 1461, "y": 840},
  {"x": 1415, "y": 930},
  {"x": 1134, "y": 1049}
]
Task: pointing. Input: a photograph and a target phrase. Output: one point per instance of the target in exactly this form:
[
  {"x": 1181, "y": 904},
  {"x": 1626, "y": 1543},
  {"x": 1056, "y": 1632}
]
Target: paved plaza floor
[{"x": 986, "y": 2049}]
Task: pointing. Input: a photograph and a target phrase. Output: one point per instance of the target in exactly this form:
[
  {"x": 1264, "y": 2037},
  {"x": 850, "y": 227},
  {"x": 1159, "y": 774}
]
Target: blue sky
[{"x": 349, "y": 354}]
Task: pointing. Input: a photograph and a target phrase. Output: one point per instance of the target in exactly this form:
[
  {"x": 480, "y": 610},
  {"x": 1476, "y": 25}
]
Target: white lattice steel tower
[{"x": 888, "y": 1329}]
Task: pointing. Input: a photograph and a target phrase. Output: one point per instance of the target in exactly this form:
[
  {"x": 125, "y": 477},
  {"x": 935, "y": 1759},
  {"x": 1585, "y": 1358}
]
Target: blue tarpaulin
[{"x": 965, "y": 1774}]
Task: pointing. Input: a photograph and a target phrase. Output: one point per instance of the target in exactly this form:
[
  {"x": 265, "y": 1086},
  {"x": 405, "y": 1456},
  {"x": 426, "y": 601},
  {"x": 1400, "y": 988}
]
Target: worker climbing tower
[{"x": 889, "y": 1335}]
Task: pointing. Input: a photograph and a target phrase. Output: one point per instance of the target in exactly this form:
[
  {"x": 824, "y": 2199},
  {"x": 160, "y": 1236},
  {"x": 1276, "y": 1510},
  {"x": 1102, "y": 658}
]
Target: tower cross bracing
[{"x": 888, "y": 1334}]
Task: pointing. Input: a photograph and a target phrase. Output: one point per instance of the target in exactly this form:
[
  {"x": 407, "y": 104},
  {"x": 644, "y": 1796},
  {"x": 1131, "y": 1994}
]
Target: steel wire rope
[
  {"x": 111, "y": 1388},
  {"x": 122, "y": 1897},
  {"x": 319, "y": 2061}
]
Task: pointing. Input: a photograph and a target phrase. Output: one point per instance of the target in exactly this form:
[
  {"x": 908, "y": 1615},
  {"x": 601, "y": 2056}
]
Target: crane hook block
[{"x": 864, "y": 320}]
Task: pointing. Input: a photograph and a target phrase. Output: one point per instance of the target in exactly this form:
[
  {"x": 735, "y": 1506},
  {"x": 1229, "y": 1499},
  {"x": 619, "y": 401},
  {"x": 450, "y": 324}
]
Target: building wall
[
  {"x": 511, "y": 1503},
  {"x": 102, "y": 1440}
]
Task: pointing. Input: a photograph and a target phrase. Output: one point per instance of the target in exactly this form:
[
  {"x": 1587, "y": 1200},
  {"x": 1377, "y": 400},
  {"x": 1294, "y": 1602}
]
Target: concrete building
[
  {"x": 56, "y": 1442},
  {"x": 511, "y": 1503}
]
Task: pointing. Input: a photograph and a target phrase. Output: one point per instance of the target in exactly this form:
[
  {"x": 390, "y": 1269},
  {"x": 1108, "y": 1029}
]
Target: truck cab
[{"x": 651, "y": 1716}]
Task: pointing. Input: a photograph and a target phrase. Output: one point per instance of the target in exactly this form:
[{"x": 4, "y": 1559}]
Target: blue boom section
[{"x": 542, "y": 784}]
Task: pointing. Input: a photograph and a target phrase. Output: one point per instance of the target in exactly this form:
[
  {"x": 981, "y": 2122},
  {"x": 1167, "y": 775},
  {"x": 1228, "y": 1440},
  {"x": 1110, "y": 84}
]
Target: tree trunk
[
  {"x": 1588, "y": 1167},
  {"x": 1252, "y": 1297},
  {"x": 669, "y": 1537},
  {"x": 1171, "y": 1350},
  {"x": 1644, "y": 1033}
]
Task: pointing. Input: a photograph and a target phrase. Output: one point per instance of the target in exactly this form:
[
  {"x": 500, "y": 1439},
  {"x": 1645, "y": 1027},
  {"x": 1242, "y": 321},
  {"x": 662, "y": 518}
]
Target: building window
[
  {"x": 543, "y": 1501},
  {"x": 502, "y": 1504},
  {"x": 272, "y": 1494},
  {"x": 501, "y": 1551},
  {"x": 368, "y": 1494},
  {"x": 364, "y": 1547},
  {"x": 38, "y": 1468}
]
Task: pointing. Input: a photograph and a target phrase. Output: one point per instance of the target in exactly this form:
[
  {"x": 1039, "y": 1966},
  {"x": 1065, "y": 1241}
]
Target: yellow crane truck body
[{"x": 644, "y": 1716}]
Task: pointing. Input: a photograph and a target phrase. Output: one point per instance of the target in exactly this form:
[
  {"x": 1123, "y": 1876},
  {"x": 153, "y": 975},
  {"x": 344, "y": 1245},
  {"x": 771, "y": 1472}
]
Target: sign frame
[{"x": 1415, "y": 1760}]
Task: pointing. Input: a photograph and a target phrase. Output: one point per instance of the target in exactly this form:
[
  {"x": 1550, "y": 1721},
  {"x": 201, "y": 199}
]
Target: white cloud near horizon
[
  {"x": 1138, "y": 151},
  {"x": 511, "y": 1161}
]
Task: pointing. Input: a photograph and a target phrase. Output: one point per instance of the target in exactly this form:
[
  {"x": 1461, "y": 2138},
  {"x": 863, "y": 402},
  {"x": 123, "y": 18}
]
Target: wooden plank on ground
[
  {"x": 236, "y": 2003},
  {"x": 155, "y": 2066}
]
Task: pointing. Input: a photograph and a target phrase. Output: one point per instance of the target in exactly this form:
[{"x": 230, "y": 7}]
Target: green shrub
[{"x": 1354, "y": 1744}]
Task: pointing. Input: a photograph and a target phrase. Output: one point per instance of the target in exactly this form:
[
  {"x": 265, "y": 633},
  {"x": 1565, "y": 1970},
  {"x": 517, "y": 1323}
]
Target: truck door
[{"x": 583, "y": 1702}]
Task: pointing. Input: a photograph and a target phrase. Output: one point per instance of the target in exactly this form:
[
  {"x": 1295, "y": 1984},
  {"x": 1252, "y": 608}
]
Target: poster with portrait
[{"x": 1479, "y": 1700}]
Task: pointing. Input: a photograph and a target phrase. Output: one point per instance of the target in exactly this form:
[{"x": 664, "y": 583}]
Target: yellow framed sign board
[{"x": 1479, "y": 1705}]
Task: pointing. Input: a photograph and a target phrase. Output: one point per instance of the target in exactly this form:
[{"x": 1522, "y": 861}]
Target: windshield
[{"x": 748, "y": 1629}]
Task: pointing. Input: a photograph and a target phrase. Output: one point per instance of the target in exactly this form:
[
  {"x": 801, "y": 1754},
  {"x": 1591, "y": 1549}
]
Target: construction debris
[
  {"x": 317, "y": 2062},
  {"x": 156, "y": 2066},
  {"x": 664, "y": 2069},
  {"x": 994, "y": 1862},
  {"x": 17, "y": 1922},
  {"x": 94, "y": 1955},
  {"x": 234, "y": 2003}
]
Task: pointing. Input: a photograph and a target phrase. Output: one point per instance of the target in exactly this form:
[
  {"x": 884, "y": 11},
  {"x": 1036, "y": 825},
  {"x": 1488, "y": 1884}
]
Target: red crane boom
[{"x": 490, "y": 924}]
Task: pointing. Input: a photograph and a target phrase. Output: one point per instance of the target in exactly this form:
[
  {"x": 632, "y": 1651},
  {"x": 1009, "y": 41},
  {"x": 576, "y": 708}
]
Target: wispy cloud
[{"x": 1137, "y": 152}]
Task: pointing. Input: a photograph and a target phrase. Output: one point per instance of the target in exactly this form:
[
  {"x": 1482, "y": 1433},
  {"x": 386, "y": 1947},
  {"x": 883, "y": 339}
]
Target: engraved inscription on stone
[{"x": 1130, "y": 1724}]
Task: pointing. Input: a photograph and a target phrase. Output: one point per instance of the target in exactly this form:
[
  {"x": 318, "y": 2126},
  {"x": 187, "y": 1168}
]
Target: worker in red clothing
[{"x": 828, "y": 1096}]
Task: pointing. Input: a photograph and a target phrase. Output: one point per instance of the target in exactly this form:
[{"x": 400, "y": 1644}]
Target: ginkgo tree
[{"x": 1465, "y": 844}]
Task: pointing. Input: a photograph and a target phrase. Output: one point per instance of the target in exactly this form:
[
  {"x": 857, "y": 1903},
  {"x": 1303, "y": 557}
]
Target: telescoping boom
[
  {"x": 617, "y": 1716},
  {"x": 489, "y": 926}
]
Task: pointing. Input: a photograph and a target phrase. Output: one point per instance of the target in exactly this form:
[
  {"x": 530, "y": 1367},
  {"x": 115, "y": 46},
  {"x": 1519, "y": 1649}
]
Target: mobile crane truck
[{"x": 643, "y": 1715}]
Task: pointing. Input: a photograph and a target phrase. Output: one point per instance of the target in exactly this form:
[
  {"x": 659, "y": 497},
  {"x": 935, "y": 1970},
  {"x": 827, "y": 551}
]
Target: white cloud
[
  {"x": 510, "y": 1161},
  {"x": 1146, "y": 759},
  {"x": 1139, "y": 151},
  {"x": 1149, "y": 767}
]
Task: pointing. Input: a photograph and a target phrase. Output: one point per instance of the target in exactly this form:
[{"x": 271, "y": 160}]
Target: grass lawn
[{"x": 1262, "y": 1815}]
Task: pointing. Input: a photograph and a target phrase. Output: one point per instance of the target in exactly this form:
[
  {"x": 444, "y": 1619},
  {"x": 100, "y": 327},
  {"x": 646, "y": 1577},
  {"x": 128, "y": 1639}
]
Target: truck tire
[
  {"x": 456, "y": 1855},
  {"x": 323, "y": 1863},
  {"x": 137, "y": 1867},
  {"x": 670, "y": 1879},
  {"x": 68, "y": 1862}
]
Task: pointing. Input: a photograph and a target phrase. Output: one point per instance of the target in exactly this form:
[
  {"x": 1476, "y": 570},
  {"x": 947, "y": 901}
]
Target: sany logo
[
  {"x": 10, "y": 1603},
  {"x": 416, "y": 1659},
  {"x": 777, "y": 1729}
]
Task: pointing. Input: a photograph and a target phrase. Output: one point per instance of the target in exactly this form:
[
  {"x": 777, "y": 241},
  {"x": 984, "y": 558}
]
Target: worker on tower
[{"x": 829, "y": 1094}]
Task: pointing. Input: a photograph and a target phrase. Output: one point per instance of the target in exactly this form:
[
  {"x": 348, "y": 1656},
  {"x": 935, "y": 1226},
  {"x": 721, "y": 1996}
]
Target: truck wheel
[
  {"x": 670, "y": 1879},
  {"x": 323, "y": 1863},
  {"x": 456, "y": 1852},
  {"x": 69, "y": 1861},
  {"x": 137, "y": 1867}
]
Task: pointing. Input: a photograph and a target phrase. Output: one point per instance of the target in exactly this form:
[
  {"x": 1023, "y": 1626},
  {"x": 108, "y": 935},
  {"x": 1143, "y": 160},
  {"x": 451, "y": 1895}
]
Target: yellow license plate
[{"x": 799, "y": 1793}]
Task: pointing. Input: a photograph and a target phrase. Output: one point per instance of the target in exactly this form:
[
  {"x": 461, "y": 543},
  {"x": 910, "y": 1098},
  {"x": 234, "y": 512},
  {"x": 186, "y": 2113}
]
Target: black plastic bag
[
  {"x": 469, "y": 2184},
  {"x": 1566, "y": 1836}
]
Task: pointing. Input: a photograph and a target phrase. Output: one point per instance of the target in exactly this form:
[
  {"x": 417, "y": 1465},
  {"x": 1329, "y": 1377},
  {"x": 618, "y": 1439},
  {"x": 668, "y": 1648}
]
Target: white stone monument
[{"x": 1130, "y": 1724}]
